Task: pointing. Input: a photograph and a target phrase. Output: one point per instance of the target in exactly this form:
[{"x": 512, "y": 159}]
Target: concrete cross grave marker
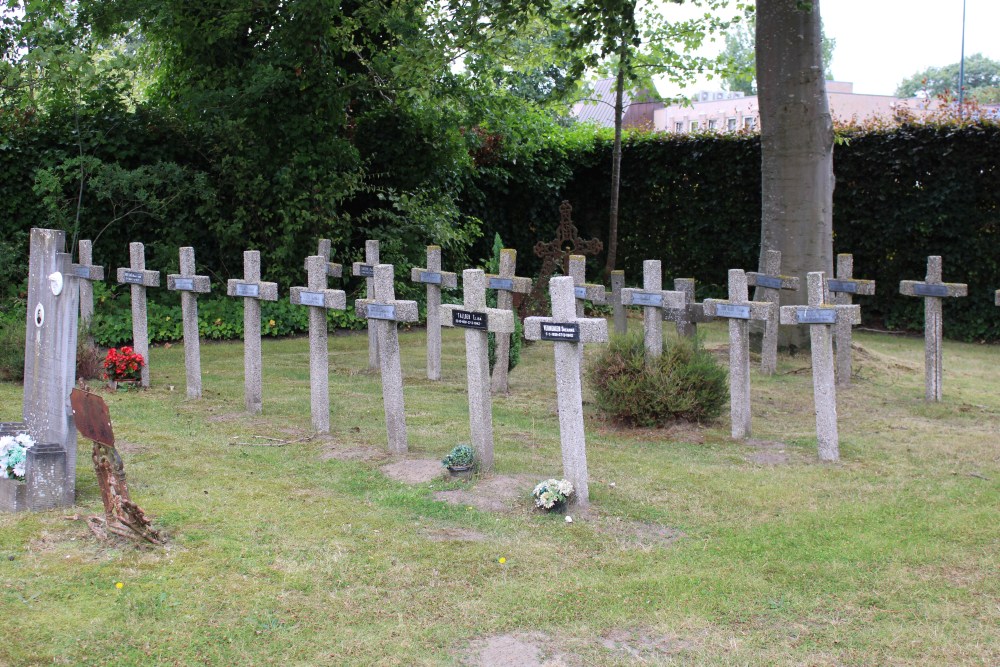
[
  {"x": 739, "y": 311},
  {"x": 478, "y": 321},
  {"x": 770, "y": 282},
  {"x": 933, "y": 290},
  {"x": 506, "y": 284},
  {"x": 691, "y": 315},
  {"x": 188, "y": 284},
  {"x": 383, "y": 312},
  {"x": 842, "y": 290},
  {"x": 654, "y": 300},
  {"x": 319, "y": 299},
  {"x": 569, "y": 333},
  {"x": 138, "y": 278},
  {"x": 333, "y": 270},
  {"x": 86, "y": 273},
  {"x": 435, "y": 279},
  {"x": 583, "y": 291},
  {"x": 366, "y": 269},
  {"x": 556, "y": 254},
  {"x": 253, "y": 291},
  {"x": 821, "y": 317},
  {"x": 617, "y": 307}
]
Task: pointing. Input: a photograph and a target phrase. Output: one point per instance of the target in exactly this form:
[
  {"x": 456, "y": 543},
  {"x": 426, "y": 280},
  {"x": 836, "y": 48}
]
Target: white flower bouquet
[
  {"x": 552, "y": 493},
  {"x": 14, "y": 455}
]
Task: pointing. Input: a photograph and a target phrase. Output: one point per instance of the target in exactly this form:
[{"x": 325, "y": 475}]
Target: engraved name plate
[
  {"x": 432, "y": 277},
  {"x": 247, "y": 289},
  {"x": 469, "y": 320},
  {"x": 317, "y": 299},
  {"x": 184, "y": 284},
  {"x": 502, "y": 283},
  {"x": 732, "y": 311},
  {"x": 849, "y": 286},
  {"x": 366, "y": 271},
  {"x": 567, "y": 333},
  {"x": 81, "y": 271},
  {"x": 132, "y": 277},
  {"x": 580, "y": 292},
  {"x": 806, "y": 315},
  {"x": 379, "y": 311},
  {"x": 647, "y": 299},
  {"x": 923, "y": 289},
  {"x": 769, "y": 281}
]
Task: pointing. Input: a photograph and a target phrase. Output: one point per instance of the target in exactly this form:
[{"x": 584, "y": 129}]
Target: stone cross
[
  {"x": 383, "y": 312},
  {"x": 617, "y": 307},
  {"x": 506, "y": 284},
  {"x": 820, "y": 317},
  {"x": 319, "y": 299},
  {"x": 366, "y": 269},
  {"x": 435, "y": 279},
  {"x": 87, "y": 273},
  {"x": 188, "y": 284},
  {"x": 770, "y": 282},
  {"x": 556, "y": 253},
  {"x": 842, "y": 290},
  {"x": 478, "y": 321},
  {"x": 654, "y": 300},
  {"x": 333, "y": 270},
  {"x": 568, "y": 331},
  {"x": 691, "y": 315},
  {"x": 253, "y": 291},
  {"x": 739, "y": 311},
  {"x": 933, "y": 290},
  {"x": 996, "y": 298},
  {"x": 50, "y": 371},
  {"x": 139, "y": 279}
]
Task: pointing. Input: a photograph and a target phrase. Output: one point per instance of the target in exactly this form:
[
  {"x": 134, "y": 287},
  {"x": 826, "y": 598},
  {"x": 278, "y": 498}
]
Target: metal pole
[{"x": 961, "y": 66}]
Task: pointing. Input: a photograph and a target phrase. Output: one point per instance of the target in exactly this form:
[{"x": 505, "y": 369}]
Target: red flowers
[{"x": 123, "y": 363}]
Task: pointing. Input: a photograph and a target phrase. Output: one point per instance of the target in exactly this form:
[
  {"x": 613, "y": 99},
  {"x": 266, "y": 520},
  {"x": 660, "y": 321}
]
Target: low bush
[
  {"x": 685, "y": 384},
  {"x": 12, "y": 339}
]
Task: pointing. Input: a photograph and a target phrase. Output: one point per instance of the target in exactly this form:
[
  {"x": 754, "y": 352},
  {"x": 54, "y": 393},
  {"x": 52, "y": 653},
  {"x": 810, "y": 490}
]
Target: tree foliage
[{"x": 982, "y": 80}]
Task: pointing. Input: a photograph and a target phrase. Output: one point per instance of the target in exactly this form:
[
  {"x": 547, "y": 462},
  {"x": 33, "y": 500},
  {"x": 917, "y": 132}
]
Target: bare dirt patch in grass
[
  {"x": 636, "y": 534},
  {"x": 342, "y": 452},
  {"x": 126, "y": 447},
  {"x": 453, "y": 535},
  {"x": 413, "y": 471},
  {"x": 494, "y": 494},
  {"x": 768, "y": 452},
  {"x": 521, "y": 649},
  {"x": 642, "y": 645}
]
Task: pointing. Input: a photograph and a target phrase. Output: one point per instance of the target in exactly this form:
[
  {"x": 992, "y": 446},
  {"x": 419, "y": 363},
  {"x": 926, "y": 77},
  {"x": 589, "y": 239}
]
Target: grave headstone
[
  {"x": 569, "y": 333},
  {"x": 617, "y": 307},
  {"x": 843, "y": 290},
  {"x": 654, "y": 301},
  {"x": 691, "y": 315},
  {"x": 50, "y": 371},
  {"x": 435, "y": 279},
  {"x": 739, "y": 310},
  {"x": 138, "y": 278},
  {"x": 86, "y": 273},
  {"x": 319, "y": 299},
  {"x": 253, "y": 291},
  {"x": 583, "y": 291},
  {"x": 821, "y": 317},
  {"x": 933, "y": 290},
  {"x": 188, "y": 284},
  {"x": 382, "y": 313},
  {"x": 478, "y": 321},
  {"x": 769, "y": 283},
  {"x": 556, "y": 253},
  {"x": 366, "y": 269},
  {"x": 506, "y": 284}
]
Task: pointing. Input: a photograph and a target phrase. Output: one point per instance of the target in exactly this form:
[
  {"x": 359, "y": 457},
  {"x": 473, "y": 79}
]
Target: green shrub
[
  {"x": 685, "y": 383},
  {"x": 12, "y": 349}
]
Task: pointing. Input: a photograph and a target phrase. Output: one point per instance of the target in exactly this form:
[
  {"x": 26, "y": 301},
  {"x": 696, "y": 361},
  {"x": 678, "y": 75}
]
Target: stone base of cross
[
  {"x": 478, "y": 321},
  {"x": 739, "y": 310},
  {"x": 821, "y": 317},
  {"x": 654, "y": 300},
  {"x": 569, "y": 333}
]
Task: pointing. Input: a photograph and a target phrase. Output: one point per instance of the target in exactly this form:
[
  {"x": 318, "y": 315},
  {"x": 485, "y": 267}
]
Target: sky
[{"x": 882, "y": 42}]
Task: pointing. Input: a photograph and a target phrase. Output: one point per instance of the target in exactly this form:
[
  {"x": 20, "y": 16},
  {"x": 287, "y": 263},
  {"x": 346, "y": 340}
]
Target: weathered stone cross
[
  {"x": 366, "y": 269},
  {"x": 739, "y": 311},
  {"x": 770, "y": 282},
  {"x": 506, "y": 284},
  {"x": 617, "y": 307},
  {"x": 557, "y": 252},
  {"x": 333, "y": 270},
  {"x": 569, "y": 333},
  {"x": 139, "y": 278},
  {"x": 691, "y": 315},
  {"x": 435, "y": 279},
  {"x": 933, "y": 290},
  {"x": 842, "y": 290},
  {"x": 583, "y": 291},
  {"x": 654, "y": 300},
  {"x": 188, "y": 284},
  {"x": 820, "y": 317},
  {"x": 87, "y": 273},
  {"x": 253, "y": 291},
  {"x": 478, "y": 320},
  {"x": 384, "y": 311},
  {"x": 319, "y": 299}
]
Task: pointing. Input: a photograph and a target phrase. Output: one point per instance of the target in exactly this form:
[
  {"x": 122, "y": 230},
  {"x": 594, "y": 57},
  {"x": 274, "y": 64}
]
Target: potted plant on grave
[
  {"x": 123, "y": 366},
  {"x": 13, "y": 459},
  {"x": 552, "y": 494},
  {"x": 460, "y": 461}
]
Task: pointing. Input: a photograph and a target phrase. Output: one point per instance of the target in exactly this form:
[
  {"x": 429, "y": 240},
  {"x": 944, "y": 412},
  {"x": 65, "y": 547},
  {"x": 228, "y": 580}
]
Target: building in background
[{"x": 599, "y": 107}]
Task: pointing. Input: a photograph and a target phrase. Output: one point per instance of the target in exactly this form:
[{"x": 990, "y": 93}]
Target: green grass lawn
[{"x": 281, "y": 555}]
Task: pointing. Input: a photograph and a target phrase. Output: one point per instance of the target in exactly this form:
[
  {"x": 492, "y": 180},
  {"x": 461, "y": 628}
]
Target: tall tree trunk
[
  {"x": 796, "y": 136},
  {"x": 616, "y": 172}
]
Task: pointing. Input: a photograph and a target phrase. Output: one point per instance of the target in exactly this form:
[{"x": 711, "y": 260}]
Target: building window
[
  {"x": 678, "y": 127},
  {"x": 748, "y": 122},
  {"x": 711, "y": 124},
  {"x": 731, "y": 124},
  {"x": 694, "y": 126}
]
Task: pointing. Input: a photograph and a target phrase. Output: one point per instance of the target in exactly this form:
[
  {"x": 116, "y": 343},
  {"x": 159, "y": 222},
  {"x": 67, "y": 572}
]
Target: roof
[{"x": 599, "y": 107}]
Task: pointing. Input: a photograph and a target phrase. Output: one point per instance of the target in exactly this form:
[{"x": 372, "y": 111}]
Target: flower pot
[
  {"x": 13, "y": 495},
  {"x": 460, "y": 472}
]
